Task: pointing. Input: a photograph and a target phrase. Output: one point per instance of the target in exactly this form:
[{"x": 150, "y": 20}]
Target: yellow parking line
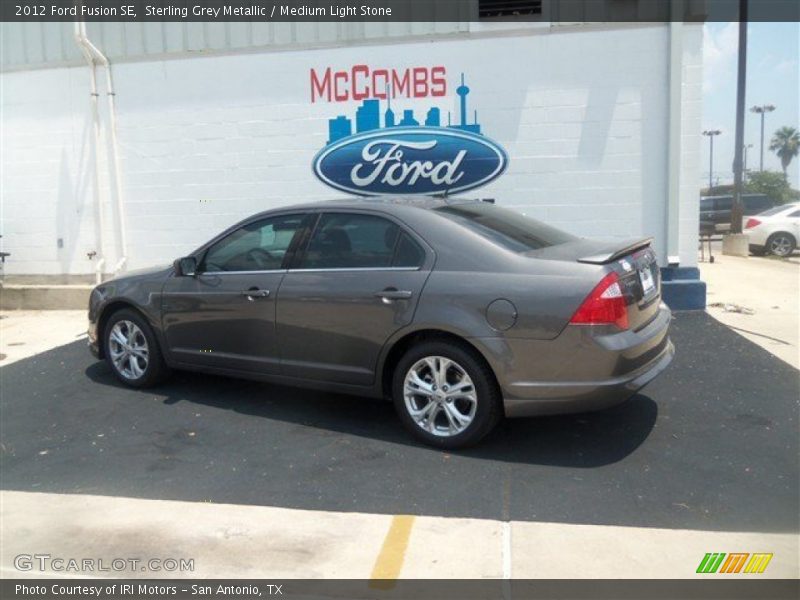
[{"x": 390, "y": 559}]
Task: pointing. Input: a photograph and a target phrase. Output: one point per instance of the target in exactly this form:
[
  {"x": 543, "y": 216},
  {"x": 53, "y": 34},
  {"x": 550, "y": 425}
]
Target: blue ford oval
[{"x": 410, "y": 161}]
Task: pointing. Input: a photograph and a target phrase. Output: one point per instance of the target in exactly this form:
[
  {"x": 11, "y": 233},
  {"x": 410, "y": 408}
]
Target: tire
[
  {"x": 472, "y": 419},
  {"x": 781, "y": 244},
  {"x": 135, "y": 369}
]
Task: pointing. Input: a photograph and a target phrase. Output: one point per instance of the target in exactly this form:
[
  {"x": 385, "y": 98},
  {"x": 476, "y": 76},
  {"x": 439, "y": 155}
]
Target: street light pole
[
  {"x": 762, "y": 110},
  {"x": 710, "y": 133},
  {"x": 741, "y": 79}
]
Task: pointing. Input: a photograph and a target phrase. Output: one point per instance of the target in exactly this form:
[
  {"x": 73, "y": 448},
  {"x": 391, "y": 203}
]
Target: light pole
[
  {"x": 710, "y": 133},
  {"x": 761, "y": 110},
  {"x": 744, "y": 167}
]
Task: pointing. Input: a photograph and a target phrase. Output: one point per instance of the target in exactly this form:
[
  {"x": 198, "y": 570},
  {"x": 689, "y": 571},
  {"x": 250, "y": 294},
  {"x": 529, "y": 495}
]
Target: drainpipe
[
  {"x": 672, "y": 216},
  {"x": 94, "y": 56},
  {"x": 101, "y": 261}
]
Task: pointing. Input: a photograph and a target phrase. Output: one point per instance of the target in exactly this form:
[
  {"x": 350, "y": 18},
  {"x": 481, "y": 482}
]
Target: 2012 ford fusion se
[{"x": 459, "y": 311}]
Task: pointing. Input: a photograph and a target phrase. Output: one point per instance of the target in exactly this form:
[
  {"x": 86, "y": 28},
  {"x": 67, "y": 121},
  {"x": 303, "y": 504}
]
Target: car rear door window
[
  {"x": 351, "y": 241},
  {"x": 258, "y": 246},
  {"x": 408, "y": 253}
]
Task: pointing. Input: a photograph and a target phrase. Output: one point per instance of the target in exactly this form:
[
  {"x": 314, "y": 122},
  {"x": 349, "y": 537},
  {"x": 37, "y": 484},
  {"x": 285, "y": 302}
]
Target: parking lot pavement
[
  {"x": 25, "y": 333},
  {"x": 769, "y": 291},
  {"x": 710, "y": 445}
]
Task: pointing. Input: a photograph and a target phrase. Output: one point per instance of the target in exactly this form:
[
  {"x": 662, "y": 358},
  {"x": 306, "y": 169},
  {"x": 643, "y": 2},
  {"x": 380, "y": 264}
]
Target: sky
[{"x": 772, "y": 78}]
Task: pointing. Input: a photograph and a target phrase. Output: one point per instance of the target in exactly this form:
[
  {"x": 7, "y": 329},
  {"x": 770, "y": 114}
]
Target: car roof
[{"x": 385, "y": 203}]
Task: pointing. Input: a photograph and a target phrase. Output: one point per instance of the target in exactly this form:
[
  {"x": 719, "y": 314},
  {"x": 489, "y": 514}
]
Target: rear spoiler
[{"x": 607, "y": 257}]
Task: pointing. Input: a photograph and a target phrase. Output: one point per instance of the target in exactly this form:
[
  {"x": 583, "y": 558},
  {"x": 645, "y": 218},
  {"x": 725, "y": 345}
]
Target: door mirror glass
[{"x": 186, "y": 267}]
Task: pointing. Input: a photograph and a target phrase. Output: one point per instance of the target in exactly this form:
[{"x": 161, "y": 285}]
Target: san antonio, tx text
[{"x": 125, "y": 589}]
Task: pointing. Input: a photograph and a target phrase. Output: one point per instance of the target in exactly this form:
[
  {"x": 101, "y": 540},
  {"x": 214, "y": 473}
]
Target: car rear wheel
[
  {"x": 132, "y": 350},
  {"x": 781, "y": 244},
  {"x": 445, "y": 395}
]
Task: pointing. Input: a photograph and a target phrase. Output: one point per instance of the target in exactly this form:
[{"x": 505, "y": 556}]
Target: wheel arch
[
  {"x": 788, "y": 234},
  {"x": 106, "y": 313},
  {"x": 401, "y": 345}
]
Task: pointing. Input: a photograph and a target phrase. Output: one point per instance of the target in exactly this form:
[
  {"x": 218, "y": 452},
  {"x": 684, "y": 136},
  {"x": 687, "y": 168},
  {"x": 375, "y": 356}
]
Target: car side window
[
  {"x": 351, "y": 241},
  {"x": 408, "y": 253},
  {"x": 795, "y": 214},
  {"x": 258, "y": 246},
  {"x": 724, "y": 203}
]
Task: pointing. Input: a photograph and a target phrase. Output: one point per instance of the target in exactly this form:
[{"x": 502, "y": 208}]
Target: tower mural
[{"x": 368, "y": 117}]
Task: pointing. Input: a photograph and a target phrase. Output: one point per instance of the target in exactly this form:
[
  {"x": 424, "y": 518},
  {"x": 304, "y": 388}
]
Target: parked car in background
[
  {"x": 460, "y": 311},
  {"x": 717, "y": 209},
  {"x": 775, "y": 231}
]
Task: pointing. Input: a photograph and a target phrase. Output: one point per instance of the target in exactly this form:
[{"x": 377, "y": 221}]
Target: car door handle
[
  {"x": 253, "y": 293},
  {"x": 390, "y": 294}
]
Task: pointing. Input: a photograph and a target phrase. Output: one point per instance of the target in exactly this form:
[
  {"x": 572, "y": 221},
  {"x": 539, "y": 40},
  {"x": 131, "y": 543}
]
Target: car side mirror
[{"x": 186, "y": 266}]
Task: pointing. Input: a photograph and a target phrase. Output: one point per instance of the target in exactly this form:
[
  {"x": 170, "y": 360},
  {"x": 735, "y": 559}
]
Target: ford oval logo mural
[{"x": 406, "y": 158}]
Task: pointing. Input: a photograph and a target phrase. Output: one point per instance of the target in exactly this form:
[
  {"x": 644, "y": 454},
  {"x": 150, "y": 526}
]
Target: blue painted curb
[{"x": 682, "y": 289}]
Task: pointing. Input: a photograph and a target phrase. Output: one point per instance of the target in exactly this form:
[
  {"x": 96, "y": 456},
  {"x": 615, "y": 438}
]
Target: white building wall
[{"x": 582, "y": 113}]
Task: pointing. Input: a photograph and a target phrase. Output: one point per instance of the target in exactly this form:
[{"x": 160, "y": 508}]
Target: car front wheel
[
  {"x": 445, "y": 395},
  {"x": 132, "y": 350}
]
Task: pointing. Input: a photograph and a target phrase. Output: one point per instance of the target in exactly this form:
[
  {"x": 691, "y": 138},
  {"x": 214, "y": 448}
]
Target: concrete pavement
[
  {"x": 25, "y": 333},
  {"x": 232, "y": 541},
  {"x": 768, "y": 286}
]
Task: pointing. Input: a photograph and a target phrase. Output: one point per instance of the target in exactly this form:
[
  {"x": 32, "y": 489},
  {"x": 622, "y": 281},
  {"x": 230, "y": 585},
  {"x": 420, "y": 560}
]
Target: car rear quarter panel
[{"x": 544, "y": 302}]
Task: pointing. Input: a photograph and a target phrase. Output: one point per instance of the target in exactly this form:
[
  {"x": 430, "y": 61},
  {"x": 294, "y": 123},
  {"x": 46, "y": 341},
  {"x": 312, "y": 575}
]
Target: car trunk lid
[{"x": 634, "y": 262}]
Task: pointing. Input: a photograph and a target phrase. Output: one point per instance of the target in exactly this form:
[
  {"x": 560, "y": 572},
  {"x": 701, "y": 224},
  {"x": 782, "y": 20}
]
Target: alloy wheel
[
  {"x": 780, "y": 245},
  {"x": 439, "y": 396},
  {"x": 128, "y": 348}
]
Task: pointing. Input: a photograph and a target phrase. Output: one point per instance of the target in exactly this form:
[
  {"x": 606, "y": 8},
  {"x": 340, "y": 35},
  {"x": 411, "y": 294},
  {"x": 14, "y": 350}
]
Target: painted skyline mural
[{"x": 368, "y": 118}]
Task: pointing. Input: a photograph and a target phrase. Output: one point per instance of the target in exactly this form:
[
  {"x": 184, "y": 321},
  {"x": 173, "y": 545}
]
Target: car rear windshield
[
  {"x": 775, "y": 210},
  {"x": 509, "y": 229}
]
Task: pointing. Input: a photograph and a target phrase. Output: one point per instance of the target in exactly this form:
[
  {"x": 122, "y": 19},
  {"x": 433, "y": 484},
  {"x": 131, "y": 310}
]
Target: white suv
[{"x": 775, "y": 231}]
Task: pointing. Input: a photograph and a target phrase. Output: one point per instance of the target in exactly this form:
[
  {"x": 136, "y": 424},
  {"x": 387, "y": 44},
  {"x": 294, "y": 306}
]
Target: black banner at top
[{"x": 140, "y": 11}]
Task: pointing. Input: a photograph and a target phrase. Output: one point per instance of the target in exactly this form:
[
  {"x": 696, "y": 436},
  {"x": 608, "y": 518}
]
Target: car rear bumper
[
  {"x": 573, "y": 397},
  {"x": 756, "y": 237},
  {"x": 588, "y": 370}
]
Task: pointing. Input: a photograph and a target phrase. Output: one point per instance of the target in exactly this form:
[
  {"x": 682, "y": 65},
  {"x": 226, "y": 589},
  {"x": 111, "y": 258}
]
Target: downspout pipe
[
  {"x": 101, "y": 261},
  {"x": 95, "y": 56}
]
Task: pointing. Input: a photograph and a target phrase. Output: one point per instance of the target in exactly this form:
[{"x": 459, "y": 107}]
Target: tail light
[
  {"x": 752, "y": 223},
  {"x": 605, "y": 305}
]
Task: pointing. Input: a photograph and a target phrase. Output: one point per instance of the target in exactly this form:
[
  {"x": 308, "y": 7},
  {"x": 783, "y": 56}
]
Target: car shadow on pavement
[{"x": 582, "y": 440}]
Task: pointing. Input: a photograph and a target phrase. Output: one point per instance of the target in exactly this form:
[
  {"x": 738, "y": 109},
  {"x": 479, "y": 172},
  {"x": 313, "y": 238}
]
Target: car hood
[{"x": 161, "y": 272}]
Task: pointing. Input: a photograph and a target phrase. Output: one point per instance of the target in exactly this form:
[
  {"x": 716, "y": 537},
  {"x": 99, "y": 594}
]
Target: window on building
[{"x": 498, "y": 9}]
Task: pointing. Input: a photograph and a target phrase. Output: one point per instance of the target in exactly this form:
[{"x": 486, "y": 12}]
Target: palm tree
[{"x": 786, "y": 144}]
